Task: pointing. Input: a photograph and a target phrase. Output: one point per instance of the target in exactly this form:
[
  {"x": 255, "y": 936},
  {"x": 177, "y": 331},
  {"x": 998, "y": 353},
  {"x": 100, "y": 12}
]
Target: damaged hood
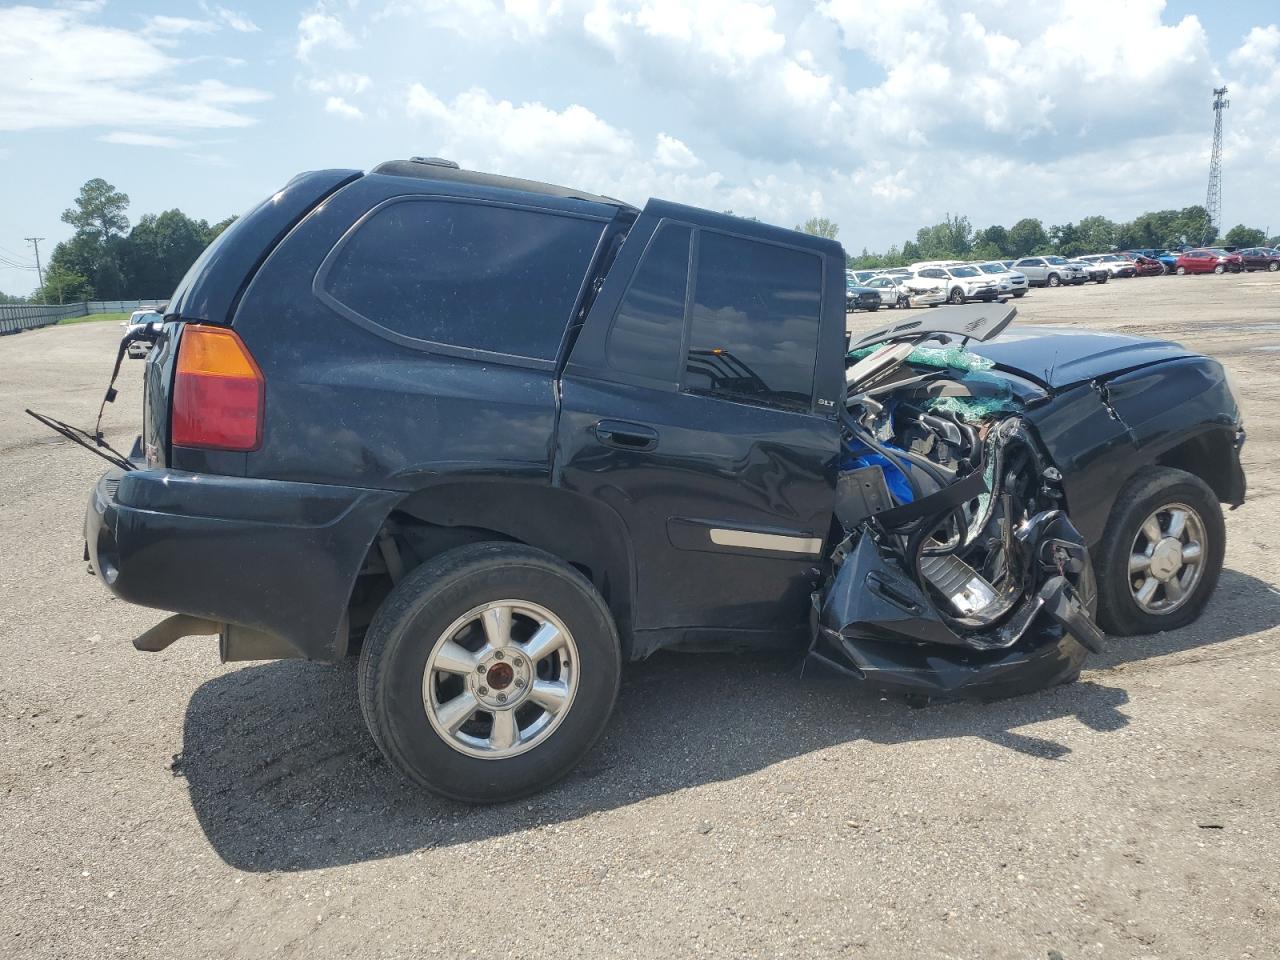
[{"x": 1059, "y": 356}]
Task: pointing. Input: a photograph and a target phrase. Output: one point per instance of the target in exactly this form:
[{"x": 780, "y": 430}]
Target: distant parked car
[
  {"x": 860, "y": 277},
  {"x": 1208, "y": 260},
  {"x": 1009, "y": 282},
  {"x": 1093, "y": 271},
  {"x": 861, "y": 298},
  {"x": 1148, "y": 266},
  {"x": 908, "y": 291},
  {"x": 1261, "y": 258},
  {"x": 138, "y": 349},
  {"x": 1167, "y": 258},
  {"x": 963, "y": 283},
  {"x": 1115, "y": 264},
  {"x": 1050, "y": 271}
]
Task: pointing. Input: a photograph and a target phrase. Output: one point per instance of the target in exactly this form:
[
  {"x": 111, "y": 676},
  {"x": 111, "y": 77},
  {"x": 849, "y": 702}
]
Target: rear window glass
[
  {"x": 472, "y": 275},
  {"x": 646, "y": 334},
  {"x": 753, "y": 333}
]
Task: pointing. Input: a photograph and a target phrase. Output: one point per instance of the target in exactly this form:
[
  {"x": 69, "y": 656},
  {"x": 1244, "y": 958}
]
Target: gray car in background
[{"x": 1050, "y": 271}]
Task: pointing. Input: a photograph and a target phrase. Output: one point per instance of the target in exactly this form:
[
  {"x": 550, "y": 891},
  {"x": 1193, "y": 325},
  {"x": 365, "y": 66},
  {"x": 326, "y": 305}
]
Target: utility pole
[
  {"x": 1213, "y": 198},
  {"x": 35, "y": 242}
]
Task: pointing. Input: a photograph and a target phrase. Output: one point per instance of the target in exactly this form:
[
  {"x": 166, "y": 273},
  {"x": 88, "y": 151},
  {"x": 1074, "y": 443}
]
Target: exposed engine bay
[{"x": 959, "y": 573}]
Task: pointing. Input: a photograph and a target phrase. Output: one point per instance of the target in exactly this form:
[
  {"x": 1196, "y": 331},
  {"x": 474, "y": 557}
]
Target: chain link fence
[{"x": 28, "y": 316}]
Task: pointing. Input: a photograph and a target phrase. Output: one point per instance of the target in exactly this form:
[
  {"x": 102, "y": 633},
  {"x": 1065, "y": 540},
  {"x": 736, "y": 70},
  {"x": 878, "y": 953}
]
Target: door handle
[{"x": 626, "y": 436}]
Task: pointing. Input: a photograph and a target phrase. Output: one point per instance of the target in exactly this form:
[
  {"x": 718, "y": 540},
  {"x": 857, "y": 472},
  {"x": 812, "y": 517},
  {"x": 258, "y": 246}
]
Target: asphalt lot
[{"x": 164, "y": 805}]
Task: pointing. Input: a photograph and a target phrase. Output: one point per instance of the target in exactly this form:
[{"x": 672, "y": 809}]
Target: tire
[
  {"x": 1272, "y": 267},
  {"x": 874, "y": 308},
  {"x": 1020, "y": 293},
  {"x": 1101, "y": 280},
  {"x": 1053, "y": 280},
  {"x": 1119, "y": 610},
  {"x": 957, "y": 297},
  {"x": 1219, "y": 269},
  {"x": 425, "y": 610},
  {"x": 1181, "y": 271},
  {"x": 904, "y": 303}
]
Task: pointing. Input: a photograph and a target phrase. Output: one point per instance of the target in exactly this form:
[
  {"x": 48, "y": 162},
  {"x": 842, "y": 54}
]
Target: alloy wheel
[
  {"x": 500, "y": 679},
  {"x": 1165, "y": 561}
]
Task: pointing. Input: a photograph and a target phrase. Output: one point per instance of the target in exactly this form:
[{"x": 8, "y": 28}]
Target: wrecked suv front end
[{"x": 959, "y": 572}]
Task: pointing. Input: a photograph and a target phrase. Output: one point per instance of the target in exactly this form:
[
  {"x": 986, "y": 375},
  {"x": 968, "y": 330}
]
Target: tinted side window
[
  {"x": 646, "y": 333},
  {"x": 753, "y": 332},
  {"x": 1028, "y": 263},
  {"x": 471, "y": 275}
]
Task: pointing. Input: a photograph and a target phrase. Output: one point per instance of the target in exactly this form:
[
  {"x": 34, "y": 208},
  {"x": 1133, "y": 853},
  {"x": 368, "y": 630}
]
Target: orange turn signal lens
[{"x": 218, "y": 392}]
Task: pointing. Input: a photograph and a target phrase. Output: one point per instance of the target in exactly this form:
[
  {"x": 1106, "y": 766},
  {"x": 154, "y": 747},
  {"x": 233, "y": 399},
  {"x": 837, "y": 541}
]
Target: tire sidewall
[
  {"x": 1118, "y": 610},
  {"x": 408, "y": 636}
]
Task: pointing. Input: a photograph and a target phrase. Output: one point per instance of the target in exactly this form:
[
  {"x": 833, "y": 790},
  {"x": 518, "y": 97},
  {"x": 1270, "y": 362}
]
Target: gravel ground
[{"x": 165, "y": 805}]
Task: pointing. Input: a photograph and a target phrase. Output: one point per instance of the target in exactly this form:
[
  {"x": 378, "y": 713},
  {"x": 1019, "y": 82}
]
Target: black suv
[{"x": 498, "y": 437}]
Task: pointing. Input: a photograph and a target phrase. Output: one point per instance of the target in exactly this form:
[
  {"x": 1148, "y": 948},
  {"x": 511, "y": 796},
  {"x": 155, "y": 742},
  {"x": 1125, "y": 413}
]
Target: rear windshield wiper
[{"x": 90, "y": 441}]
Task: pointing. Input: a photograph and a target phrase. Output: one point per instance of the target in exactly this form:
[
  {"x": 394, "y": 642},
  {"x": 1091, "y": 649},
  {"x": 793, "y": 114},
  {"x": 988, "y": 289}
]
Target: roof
[{"x": 435, "y": 169}]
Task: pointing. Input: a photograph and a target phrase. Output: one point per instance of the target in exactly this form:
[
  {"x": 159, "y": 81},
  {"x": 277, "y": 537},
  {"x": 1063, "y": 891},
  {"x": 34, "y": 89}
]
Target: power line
[{"x": 35, "y": 242}]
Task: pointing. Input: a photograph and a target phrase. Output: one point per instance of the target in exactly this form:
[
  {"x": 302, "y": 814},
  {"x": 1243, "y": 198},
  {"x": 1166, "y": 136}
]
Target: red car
[
  {"x": 1261, "y": 258},
  {"x": 1208, "y": 260},
  {"x": 1145, "y": 266}
]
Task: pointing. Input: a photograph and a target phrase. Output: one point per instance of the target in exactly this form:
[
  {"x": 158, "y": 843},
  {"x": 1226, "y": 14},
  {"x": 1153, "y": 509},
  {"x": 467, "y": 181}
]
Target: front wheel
[
  {"x": 1101, "y": 280},
  {"x": 1272, "y": 267},
  {"x": 1161, "y": 554},
  {"x": 1181, "y": 271},
  {"x": 1219, "y": 269},
  {"x": 1020, "y": 293},
  {"x": 1054, "y": 280},
  {"x": 489, "y": 672},
  {"x": 957, "y": 297},
  {"x": 904, "y": 303}
]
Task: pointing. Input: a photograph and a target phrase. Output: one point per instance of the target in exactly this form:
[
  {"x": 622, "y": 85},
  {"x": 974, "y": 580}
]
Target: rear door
[{"x": 691, "y": 406}]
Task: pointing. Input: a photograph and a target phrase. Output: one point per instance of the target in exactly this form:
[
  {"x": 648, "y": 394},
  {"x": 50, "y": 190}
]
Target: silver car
[{"x": 1050, "y": 271}]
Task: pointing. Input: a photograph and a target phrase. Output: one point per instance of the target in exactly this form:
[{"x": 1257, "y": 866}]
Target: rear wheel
[
  {"x": 1273, "y": 266},
  {"x": 489, "y": 671},
  {"x": 1161, "y": 554},
  {"x": 1181, "y": 271},
  {"x": 1219, "y": 269},
  {"x": 1054, "y": 280}
]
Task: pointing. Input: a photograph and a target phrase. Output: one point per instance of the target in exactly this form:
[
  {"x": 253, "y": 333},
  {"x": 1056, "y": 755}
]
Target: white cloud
[
  {"x": 673, "y": 154},
  {"x": 163, "y": 28},
  {"x": 236, "y": 21},
  {"x": 1260, "y": 50},
  {"x": 320, "y": 28},
  {"x": 348, "y": 83},
  {"x": 53, "y": 73},
  {"x": 134, "y": 139},
  {"x": 337, "y": 105}
]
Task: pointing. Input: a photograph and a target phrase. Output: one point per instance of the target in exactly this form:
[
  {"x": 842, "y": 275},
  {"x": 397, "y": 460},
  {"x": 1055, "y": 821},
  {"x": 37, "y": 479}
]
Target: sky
[{"x": 883, "y": 116}]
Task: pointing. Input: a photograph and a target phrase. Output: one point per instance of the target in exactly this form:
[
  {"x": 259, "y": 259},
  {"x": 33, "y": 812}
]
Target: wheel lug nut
[
  {"x": 519, "y": 681},
  {"x": 481, "y": 669},
  {"x": 498, "y": 655},
  {"x": 482, "y": 691},
  {"x": 502, "y": 698}
]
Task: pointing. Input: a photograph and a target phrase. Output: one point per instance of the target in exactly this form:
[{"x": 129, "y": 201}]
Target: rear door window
[
  {"x": 649, "y": 325},
  {"x": 474, "y": 276},
  {"x": 753, "y": 331}
]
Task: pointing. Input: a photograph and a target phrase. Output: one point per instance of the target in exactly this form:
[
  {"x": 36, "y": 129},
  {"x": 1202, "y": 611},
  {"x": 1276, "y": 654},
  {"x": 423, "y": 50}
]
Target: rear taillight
[{"x": 217, "y": 392}]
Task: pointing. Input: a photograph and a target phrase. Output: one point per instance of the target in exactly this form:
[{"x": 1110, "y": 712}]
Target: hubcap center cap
[
  {"x": 1166, "y": 559},
  {"x": 500, "y": 676}
]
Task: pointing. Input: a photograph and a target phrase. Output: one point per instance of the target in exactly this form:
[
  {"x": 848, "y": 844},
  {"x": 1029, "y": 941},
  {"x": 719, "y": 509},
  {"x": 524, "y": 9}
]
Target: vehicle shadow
[{"x": 284, "y": 777}]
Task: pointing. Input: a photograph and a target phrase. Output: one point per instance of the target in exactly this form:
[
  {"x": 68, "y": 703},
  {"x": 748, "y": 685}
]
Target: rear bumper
[{"x": 274, "y": 556}]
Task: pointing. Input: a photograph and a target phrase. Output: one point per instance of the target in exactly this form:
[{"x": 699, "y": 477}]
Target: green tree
[
  {"x": 995, "y": 238},
  {"x": 63, "y": 286},
  {"x": 1097, "y": 234},
  {"x": 1026, "y": 236},
  {"x": 952, "y": 239},
  {"x": 10, "y": 298},
  {"x": 1242, "y": 236},
  {"x": 98, "y": 210},
  {"x": 160, "y": 250},
  {"x": 819, "y": 227},
  {"x": 1065, "y": 239},
  {"x": 216, "y": 230}
]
